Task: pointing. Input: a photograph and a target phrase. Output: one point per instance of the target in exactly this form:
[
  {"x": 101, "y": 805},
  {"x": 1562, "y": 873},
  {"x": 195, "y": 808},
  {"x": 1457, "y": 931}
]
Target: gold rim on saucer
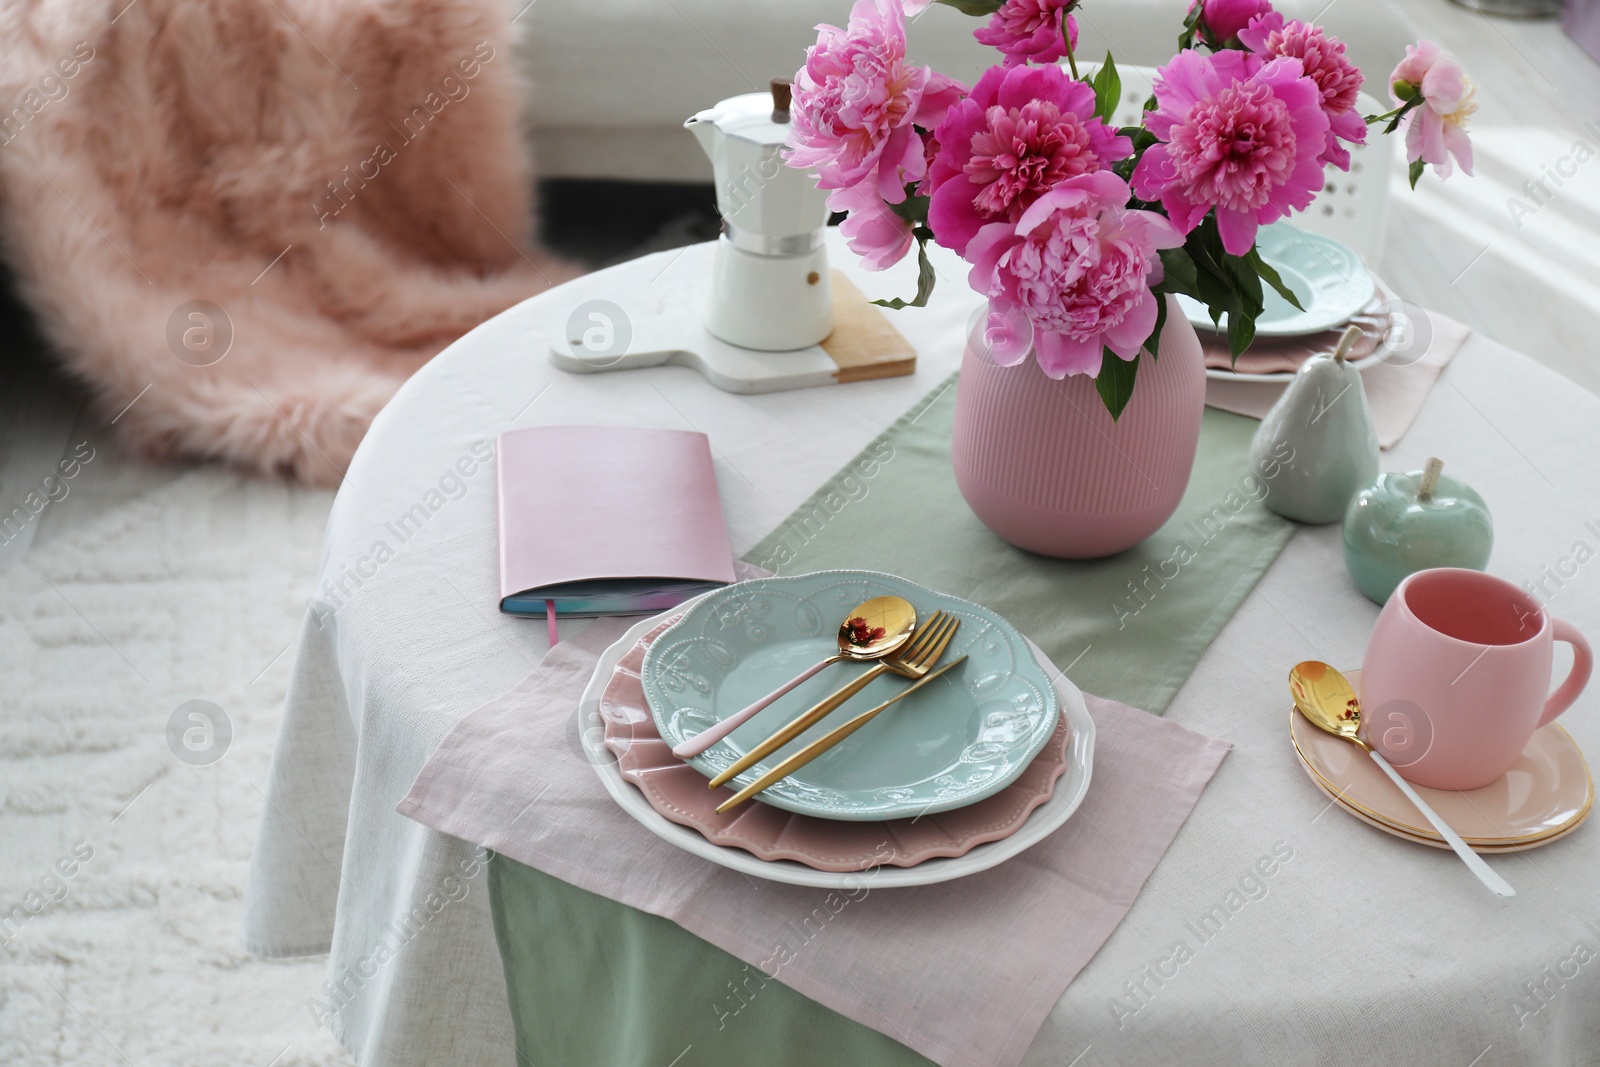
[
  {"x": 1426, "y": 834},
  {"x": 1438, "y": 842}
]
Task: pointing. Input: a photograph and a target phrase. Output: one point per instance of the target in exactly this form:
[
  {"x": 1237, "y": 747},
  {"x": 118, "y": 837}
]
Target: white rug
[{"x": 145, "y": 589}]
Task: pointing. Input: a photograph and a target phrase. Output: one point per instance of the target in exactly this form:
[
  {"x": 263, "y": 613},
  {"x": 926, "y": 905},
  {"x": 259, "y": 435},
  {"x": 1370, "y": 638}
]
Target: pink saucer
[
  {"x": 679, "y": 793},
  {"x": 1545, "y": 795}
]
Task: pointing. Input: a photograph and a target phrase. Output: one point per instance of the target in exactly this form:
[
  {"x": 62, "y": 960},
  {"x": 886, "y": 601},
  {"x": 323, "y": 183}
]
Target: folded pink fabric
[
  {"x": 1396, "y": 389},
  {"x": 1272, "y": 355},
  {"x": 964, "y": 972}
]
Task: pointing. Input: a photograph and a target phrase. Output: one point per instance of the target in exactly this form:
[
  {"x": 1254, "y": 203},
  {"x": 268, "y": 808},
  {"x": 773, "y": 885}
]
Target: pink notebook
[{"x": 607, "y": 520}]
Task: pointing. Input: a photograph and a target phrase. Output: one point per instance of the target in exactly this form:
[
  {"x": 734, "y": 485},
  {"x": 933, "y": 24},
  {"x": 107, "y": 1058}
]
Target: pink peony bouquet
[{"x": 1075, "y": 228}]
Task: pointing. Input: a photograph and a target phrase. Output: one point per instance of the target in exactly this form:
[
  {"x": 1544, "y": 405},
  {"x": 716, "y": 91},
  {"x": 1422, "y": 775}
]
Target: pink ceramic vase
[{"x": 1044, "y": 465}]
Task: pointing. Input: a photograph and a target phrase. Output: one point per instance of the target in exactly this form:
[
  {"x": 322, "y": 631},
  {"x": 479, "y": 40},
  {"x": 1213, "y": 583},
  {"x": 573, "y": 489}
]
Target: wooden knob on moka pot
[{"x": 780, "y": 99}]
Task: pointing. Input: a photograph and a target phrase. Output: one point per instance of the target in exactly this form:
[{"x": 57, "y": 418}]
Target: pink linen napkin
[
  {"x": 964, "y": 972},
  {"x": 1396, "y": 390}
]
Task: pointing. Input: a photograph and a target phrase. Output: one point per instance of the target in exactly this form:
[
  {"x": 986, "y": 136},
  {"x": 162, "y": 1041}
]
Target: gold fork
[
  {"x": 913, "y": 661},
  {"x": 828, "y": 740}
]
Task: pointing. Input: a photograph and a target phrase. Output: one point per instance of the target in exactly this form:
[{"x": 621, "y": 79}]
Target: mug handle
[{"x": 1582, "y": 667}]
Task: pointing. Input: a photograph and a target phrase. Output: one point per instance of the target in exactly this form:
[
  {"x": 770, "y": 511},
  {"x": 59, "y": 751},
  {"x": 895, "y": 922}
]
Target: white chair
[{"x": 1353, "y": 206}]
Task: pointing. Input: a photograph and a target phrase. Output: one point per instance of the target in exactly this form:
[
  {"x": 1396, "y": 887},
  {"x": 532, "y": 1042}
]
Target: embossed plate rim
[{"x": 795, "y": 794}]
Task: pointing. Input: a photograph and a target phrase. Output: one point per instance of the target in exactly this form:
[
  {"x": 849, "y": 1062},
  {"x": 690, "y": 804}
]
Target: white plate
[
  {"x": 1045, "y": 820},
  {"x": 1328, "y": 277}
]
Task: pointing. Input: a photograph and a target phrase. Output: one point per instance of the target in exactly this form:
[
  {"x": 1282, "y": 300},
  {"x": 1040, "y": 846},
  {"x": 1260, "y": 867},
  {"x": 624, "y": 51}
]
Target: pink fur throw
[{"x": 246, "y": 222}]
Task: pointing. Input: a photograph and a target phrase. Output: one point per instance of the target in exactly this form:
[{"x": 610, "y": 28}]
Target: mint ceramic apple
[{"x": 1409, "y": 522}]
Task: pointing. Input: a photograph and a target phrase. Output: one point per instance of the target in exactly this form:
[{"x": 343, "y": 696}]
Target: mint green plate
[{"x": 960, "y": 738}]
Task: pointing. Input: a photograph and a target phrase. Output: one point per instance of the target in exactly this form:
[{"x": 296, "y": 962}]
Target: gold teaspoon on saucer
[{"x": 1326, "y": 699}]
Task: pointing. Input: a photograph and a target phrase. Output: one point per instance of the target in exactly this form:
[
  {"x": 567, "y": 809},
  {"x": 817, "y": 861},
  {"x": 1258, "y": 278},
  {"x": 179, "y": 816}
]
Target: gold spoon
[
  {"x": 828, "y": 740},
  {"x": 1326, "y": 699},
  {"x": 872, "y": 630}
]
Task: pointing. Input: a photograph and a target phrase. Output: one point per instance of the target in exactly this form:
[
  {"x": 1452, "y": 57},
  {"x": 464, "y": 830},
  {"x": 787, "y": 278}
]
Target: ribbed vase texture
[{"x": 1044, "y": 465}]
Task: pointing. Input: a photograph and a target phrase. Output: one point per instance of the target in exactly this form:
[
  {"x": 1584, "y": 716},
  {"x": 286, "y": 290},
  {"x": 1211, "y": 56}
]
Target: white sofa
[{"x": 612, "y": 80}]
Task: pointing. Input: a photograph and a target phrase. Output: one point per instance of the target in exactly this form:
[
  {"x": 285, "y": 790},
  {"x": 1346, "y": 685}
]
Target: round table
[{"x": 1361, "y": 948}]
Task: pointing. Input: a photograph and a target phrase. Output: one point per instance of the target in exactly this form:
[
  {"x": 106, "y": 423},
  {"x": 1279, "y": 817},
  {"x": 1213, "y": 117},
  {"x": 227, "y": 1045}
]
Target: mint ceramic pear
[{"x": 1318, "y": 439}]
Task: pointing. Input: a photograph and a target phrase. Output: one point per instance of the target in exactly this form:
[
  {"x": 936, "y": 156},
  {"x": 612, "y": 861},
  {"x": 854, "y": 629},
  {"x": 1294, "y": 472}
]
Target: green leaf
[
  {"x": 1224, "y": 283},
  {"x": 1190, "y": 28},
  {"x": 1246, "y": 282},
  {"x": 1417, "y": 167},
  {"x": 1241, "y": 331},
  {"x": 1141, "y": 137},
  {"x": 925, "y": 280},
  {"x": 1397, "y": 114},
  {"x": 1213, "y": 289},
  {"x": 975, "y": 7},
  {"x": 1249, "y": 301},
  {"x": 1178, "y": 273},
  {"x": 1269, "y": 274},
  {"x": 1115, "y": 383},
  {"x": 1242, "y": 320},
  {"x": 1386, "y": 116},
  {"x": 1152, "y": 343},
  {"x": 914, "y": 209},
  {"x": 1107, "y": 85},
  {"x": 1204, "y": 245}
]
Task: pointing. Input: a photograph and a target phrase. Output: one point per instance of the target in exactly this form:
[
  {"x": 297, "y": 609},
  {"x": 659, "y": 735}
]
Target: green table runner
[
  {"x": 595, "y": 983},
  {"x": 1130, "y": 627}
]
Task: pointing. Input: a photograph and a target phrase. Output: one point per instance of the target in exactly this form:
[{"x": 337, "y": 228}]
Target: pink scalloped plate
[{"x": 678, "y": 792}]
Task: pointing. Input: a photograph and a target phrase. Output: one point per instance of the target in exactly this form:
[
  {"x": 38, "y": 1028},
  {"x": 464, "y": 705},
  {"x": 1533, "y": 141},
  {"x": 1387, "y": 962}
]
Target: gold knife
[{"x": 825, "y": 742}]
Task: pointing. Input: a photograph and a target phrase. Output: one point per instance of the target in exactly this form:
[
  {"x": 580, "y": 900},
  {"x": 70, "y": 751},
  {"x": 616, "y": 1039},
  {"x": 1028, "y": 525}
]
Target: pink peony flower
[
  {"x": 856, "y": 103},
  {"x": 1436, "y": 130},
  {"x": 1225, "y": 18},
  {"x": 1079, "y": 265},
  {"x": 1323, "y": 58},
  {"x": 1018, "y": 134},
  {"x": 872, "y": 230},
  {"x": 1238, "y": 133},
  {"x": 1028, "y": 30}
]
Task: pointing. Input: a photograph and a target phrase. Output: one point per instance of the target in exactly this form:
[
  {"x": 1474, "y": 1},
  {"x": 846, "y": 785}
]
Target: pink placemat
[
  {"x": 964, "y": 972},
  {"x": 1396, "y": 389}
]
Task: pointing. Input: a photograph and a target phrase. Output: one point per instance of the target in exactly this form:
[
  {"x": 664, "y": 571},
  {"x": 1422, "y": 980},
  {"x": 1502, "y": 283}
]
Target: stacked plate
[
  {"x": 1335, "y": 290},
  {"x": 969, "y": 771}
]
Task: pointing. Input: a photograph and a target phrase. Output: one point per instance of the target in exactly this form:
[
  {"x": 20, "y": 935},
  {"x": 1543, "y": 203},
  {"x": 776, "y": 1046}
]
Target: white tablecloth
[{"x": 1358, "y": 948}]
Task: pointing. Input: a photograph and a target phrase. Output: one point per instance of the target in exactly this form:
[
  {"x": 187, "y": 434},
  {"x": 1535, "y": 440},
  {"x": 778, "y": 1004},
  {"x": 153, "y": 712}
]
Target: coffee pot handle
[{"x": 1582, "y": 667}]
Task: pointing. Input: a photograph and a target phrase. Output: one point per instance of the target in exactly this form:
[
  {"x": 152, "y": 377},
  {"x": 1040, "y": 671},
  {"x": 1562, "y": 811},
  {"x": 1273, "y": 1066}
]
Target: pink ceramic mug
[{"x": 1456, "y": 677}]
